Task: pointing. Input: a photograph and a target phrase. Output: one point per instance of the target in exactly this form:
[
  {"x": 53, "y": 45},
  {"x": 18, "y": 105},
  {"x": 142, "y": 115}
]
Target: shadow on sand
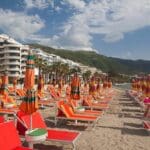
[
  {"x": 64, "y": 124},
  {"x": 130, "y": 104},
  {"x": 129, "y": 115},
  {"x": 47, "y": 147},
  {"x": 129, "y": 131},
  {"x": 133, "y": 125}
]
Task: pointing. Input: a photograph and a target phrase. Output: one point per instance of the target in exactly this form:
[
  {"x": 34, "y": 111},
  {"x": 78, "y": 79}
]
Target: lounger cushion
[
  {"x": 58, "y": 135},
  {"x": 2, "y": 119},
  {"x": 9, "y": 138},
  {"x": 37, "y": 121},
  {"x": 69, "y": 113},
  {"x": 53, "y": 134},
  {"x": 146, "y": 125}
]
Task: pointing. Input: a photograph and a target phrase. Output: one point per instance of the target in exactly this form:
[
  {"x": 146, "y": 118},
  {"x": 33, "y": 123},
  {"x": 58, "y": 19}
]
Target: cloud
[
  {"x": 40, "y": 4},
  {"x": 77, "y": 4},
  {"x": 110, "y": 19},
  {"x": 19, "y": 25}
]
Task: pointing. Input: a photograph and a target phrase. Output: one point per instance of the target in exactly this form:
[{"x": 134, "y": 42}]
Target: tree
[{"x": 86, "y": 75}]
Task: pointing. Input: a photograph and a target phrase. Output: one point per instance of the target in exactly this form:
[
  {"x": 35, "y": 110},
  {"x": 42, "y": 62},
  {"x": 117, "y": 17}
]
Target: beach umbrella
[
  {"x": 4, "y": 90},
  {"x": 15, "y": 79},
  {"x": 29, "y": 104},
  {"x": 75, "y": 87},
  {"x": 4, "y": 84},
  {"x": 92, "y": 87},
  {"x": 40, "y": 84},
  {"x": 0, "y": 82}
]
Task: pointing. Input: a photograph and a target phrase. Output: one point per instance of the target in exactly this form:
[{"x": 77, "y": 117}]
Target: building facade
[
  {"x": 52, "y": 58},
  {"x": 12, "y": 57}
]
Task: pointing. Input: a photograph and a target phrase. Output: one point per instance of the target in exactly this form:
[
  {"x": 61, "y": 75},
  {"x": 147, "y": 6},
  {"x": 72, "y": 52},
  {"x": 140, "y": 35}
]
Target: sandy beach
[{"x": 120, "y": 128}]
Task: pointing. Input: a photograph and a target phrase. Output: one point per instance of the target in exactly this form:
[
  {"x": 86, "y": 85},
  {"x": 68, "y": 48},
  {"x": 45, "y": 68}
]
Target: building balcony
[
  {"x": 13, "y": 69},
  {"x": 23, "y": 58},
  {"x": 3, "y": 68},
  {"x": 12, "y": 63},
  {"x": 24, "y": 53},
  {"x": 10, "y": 51},
  {"x": 16, "y": 74},
  {"x": 10, "y": 57}
]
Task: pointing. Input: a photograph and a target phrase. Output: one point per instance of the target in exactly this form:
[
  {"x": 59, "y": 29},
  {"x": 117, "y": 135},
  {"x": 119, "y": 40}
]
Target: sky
[{"x": 116, "y": 28}]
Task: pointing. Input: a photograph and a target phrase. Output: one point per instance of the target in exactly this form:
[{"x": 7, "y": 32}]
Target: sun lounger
[
  {"x": 20, "y": 92},
  {"x": 9, "y": 138},
  {"x": 2, "y": 119},
  {"x": 8, "y": 110},
  {"x": 66, "y": 112},
  {"x": 44, "y": 101},
  {"x": 56, "y": 135},
  {"x": 88, "y": 103},
  {"x": 146, "y": 125},
  {"x": 86, "y": 111}
]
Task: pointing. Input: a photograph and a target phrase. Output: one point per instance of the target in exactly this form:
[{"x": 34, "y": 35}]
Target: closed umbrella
[
  {"x": 29, "y": 104},
  {"x": 75, "y": 90},
  {"x": 4, "y": 91},
  {"x": 40, "y": 85}
]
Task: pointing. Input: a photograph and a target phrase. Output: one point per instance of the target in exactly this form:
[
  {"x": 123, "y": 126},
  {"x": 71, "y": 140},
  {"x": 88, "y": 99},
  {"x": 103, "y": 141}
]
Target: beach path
[{"x": 119, "y": 129}]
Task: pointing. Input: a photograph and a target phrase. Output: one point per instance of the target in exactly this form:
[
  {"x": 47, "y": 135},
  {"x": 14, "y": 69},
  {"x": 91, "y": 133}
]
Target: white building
[
  {"x": 12, "y": 57},
  {"x": 51, "y": 58}
]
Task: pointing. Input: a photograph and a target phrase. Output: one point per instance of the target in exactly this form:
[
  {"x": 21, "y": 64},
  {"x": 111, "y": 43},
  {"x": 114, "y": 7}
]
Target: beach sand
[{"x": 120, "y": 128}]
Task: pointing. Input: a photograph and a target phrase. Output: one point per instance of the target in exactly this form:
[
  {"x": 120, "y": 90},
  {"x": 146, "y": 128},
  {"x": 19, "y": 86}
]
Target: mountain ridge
[{"x": 106, "y": 64}]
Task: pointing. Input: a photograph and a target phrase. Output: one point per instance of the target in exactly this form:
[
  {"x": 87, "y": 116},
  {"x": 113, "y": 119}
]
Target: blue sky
[{"x": 118, "y": 28}]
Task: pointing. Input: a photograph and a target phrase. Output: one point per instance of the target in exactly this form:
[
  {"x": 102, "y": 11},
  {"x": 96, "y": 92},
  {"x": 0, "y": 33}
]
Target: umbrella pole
[{"x": 31, "y": 122}]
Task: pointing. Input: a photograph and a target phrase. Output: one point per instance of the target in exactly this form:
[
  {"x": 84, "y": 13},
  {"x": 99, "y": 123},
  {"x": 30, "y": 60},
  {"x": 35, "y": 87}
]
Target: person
[{"x": 75, "y": 87}]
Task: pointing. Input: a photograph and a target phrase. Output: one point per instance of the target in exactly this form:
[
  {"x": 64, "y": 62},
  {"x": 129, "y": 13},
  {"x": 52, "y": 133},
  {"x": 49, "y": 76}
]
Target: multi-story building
[
  {"x": 51, "y": 58},
  {"x": 12, "y": 57}
]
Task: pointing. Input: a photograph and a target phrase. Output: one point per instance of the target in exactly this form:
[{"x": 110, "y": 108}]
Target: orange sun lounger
[
  {"x": 146, "y": 125},
  {"x": 87, "y": 102},
  {"x": 66, "y": 112},
  {"x": 20, "y": 92},
  {"x": 9, "y": 138},
  {"x": 56, "y": 135},
  {"x": 2, "y": 119},
  {"x": 44, "y": 100},
  {"x": 86, "y": 111}
]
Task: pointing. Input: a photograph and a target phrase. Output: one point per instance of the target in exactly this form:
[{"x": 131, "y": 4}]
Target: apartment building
[
  {"x": 51, "y": 58},
  {"x": 12, "y": 57}
]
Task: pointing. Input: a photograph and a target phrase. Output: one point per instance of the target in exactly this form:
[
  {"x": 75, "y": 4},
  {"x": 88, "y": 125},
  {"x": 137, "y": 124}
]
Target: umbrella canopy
[
  {"x": 40, "y": 84},
  {"x": 29, "y": 74},
  {"x": 75, "y": 87},
  {"x": 92, "y": 87},
  {"x": 15, "y": 82},
  {"x": 4, "y": 84},
  {"x": 29, "y": 103},
  {"x": 4, "y": 90}
]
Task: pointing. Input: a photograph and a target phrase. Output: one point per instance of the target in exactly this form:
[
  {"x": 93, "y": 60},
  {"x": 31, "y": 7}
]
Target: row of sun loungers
[
  {"x": 66, "y": 110},
  {"x": 144, "y": 107}
]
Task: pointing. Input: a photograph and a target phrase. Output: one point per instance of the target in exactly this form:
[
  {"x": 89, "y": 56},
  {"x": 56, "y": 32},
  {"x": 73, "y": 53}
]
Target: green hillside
[{"x": 106, "y": 64}]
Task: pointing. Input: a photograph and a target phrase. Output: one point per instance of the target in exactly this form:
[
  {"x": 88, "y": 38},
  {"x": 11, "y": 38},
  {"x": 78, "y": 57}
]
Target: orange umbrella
[
  {"x": 92, "y": 87},
  {"x": 75, "y": 87},
  {"x": 40, "y": 85},
  {"x": 4, "y": 90},
  {"x": 15, "y": 82},
  {"x": 29, "y": 103},
  {"x": 4, "y": 85}
]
